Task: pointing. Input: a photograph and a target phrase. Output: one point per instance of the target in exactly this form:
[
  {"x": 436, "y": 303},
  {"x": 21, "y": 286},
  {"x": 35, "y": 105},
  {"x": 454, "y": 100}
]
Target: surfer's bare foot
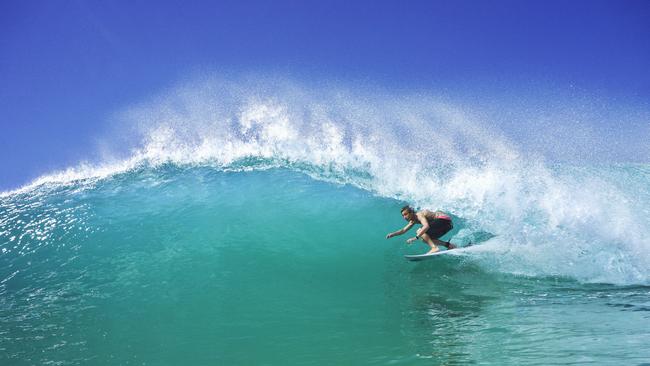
[{"x": 433, "y": 250}]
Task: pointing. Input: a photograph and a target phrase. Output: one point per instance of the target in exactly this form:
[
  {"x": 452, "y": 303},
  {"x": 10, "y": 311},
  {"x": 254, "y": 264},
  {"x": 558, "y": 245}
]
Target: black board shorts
[{"x": 439, "y": 227}]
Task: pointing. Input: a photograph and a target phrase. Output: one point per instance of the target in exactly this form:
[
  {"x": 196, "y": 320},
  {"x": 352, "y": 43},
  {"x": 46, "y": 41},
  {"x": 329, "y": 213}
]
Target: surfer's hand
[{"x": 390, "y": 235}]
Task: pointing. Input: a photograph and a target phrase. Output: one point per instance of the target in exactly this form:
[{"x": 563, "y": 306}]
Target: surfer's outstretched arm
[{"x": 401, "y": 231}]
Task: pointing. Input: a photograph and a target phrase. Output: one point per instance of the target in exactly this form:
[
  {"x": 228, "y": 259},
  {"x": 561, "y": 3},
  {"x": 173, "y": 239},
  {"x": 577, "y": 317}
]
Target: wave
[{"x": 587, "y": 221}]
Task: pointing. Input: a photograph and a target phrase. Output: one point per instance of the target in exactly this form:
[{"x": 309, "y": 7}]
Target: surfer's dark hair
[{"x": 407, "y": 208}]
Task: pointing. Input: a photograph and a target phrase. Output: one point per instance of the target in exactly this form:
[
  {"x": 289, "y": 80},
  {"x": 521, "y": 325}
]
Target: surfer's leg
[
  {"x": 447, "y": 244},
  {"x": 427, "y": 239},
  {"x": 438, "y": 228}
]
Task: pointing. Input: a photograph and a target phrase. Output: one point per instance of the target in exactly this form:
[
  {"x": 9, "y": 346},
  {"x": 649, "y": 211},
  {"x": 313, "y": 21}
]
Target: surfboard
[{"x": 421, "y": 257}]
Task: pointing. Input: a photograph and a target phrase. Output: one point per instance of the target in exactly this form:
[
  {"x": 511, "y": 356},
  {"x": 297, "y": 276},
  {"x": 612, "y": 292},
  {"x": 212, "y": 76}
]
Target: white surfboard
[{"x": 421, "y": 257}]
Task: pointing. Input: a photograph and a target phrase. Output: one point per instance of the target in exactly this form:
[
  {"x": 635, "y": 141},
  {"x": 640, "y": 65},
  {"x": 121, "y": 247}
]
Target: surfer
[{"x": 434, "y": 225}]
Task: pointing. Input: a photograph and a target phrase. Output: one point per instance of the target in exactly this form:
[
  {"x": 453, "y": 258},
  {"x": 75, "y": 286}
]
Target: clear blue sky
[{"x": 66, "y": 65}]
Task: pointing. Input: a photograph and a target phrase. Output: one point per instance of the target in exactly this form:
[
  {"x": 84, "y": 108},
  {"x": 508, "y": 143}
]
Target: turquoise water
[
  {"x": 175, "y": 265},
  {"x": 240, "y": 225}
]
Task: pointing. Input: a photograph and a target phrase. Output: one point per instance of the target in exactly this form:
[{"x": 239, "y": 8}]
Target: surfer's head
[{"x": 408, "y": 213}]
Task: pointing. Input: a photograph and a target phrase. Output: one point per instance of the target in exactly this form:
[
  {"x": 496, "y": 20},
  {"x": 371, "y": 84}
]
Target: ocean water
[{"x": 247, "y": 227}]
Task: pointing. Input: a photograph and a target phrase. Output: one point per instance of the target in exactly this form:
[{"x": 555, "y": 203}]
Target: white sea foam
[{"x": 575, "y": 221}]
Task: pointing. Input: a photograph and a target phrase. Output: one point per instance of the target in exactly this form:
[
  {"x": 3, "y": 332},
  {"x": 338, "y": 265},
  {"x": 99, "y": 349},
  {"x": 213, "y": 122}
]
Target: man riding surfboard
[{"x": 434, "y": 225}]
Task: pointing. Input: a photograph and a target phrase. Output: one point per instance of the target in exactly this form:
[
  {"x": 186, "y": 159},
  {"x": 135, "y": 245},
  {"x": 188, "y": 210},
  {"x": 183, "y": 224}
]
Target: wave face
[{"x": 249, "y": 216}]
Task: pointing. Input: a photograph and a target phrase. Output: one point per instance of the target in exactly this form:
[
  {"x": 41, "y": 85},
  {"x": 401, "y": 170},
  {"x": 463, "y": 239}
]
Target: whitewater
[{"x": 244, "y": 222}]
